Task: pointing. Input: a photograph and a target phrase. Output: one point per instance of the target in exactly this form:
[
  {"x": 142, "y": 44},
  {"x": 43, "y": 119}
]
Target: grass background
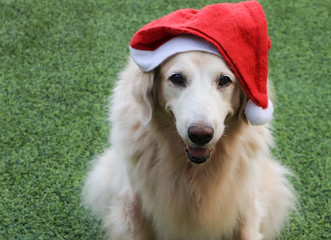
[{"x": 58, "y": 62}]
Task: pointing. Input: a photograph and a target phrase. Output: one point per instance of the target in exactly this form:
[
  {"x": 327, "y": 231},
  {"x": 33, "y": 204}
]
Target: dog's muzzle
[{"x": 199, "y": 135}]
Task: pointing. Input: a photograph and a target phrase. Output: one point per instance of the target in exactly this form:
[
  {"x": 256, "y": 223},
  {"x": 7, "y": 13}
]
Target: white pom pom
[{"x": 257, "y": 115}]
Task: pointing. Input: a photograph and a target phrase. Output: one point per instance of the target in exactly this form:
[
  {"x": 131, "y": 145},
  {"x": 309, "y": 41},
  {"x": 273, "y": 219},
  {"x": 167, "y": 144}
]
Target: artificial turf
[{"x": 58, "y": 63}]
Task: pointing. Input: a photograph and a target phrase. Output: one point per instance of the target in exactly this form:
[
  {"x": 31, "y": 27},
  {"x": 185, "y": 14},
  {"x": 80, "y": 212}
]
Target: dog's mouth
[{"x": 198, "y": 155}]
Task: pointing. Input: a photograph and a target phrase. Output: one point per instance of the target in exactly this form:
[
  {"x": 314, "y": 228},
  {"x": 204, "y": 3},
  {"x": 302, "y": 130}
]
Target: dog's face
[{"x": 201, "y": 92}]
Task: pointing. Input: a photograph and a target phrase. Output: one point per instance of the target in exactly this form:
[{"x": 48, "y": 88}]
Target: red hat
[{"x": 235, "y": 31}]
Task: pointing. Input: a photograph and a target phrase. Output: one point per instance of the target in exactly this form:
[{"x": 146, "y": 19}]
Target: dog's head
[{"x": 202, "y": 94}]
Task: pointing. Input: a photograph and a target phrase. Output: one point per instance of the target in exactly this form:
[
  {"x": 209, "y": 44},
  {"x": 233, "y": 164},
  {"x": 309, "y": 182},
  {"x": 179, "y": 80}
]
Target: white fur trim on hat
[
  {"x": 257, "y": 115},
  {"x": 148, "y": 60}
]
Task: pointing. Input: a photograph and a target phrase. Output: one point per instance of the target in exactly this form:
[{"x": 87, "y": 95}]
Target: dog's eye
[
  {"x": 224, "y": 81},
  {"x": 177, "y": 79}
]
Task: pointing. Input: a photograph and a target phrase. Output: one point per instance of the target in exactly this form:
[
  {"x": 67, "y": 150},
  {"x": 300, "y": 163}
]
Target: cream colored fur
[{"x": 144, "y": 187}]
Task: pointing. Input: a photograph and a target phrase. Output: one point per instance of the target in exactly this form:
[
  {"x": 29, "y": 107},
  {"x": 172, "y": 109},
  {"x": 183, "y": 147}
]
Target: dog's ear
[
  {"x": 243, "y": 99},
  {"x": 142, "y": 85}
]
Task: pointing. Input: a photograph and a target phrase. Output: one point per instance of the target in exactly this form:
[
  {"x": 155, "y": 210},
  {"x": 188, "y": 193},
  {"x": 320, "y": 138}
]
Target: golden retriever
[{"x": 184, "y": 163}]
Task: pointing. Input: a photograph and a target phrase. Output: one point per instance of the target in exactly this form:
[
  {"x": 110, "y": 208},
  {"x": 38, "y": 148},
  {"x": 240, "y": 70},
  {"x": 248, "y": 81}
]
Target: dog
[{"x": 184, "y": 162}]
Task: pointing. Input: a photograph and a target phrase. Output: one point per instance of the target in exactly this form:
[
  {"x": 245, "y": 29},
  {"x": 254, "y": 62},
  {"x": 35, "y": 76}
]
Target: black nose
[{"x": 200, "y": 134}]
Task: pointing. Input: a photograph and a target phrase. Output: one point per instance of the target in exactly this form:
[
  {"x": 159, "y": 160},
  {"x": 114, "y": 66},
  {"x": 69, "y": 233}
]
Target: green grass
[{"x": 58, "y": 62}]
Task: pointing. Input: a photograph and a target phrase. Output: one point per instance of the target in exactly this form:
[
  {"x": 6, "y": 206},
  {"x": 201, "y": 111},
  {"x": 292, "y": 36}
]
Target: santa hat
[{"x": 235, "y": 31}]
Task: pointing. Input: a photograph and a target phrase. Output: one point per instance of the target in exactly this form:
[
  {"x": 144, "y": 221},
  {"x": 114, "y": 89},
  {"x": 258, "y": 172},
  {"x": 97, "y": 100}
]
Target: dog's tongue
[{"x": 198, "y": 152}]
